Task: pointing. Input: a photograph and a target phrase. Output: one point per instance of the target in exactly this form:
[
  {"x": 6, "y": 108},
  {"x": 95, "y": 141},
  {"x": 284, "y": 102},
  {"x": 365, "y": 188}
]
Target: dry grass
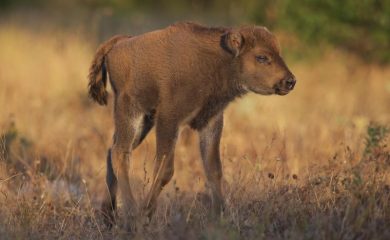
[{"x": 295, "y": 167}]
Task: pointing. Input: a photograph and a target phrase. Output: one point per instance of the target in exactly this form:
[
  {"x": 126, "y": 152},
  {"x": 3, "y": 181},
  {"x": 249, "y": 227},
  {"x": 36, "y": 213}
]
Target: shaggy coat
[{"x": 185, "y": 74}]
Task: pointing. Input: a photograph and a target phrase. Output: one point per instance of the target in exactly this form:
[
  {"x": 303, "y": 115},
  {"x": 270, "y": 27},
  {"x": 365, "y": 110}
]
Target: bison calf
[{"x": 185, "y": 74}]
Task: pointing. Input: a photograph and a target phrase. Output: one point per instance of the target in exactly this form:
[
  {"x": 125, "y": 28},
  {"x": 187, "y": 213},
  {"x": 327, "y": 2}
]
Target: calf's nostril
[{"x": 290, "y": 83}]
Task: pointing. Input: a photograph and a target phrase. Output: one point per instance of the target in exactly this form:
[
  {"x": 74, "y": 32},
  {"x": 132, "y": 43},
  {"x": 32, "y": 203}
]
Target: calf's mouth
[{"x": 280, "y": 91}]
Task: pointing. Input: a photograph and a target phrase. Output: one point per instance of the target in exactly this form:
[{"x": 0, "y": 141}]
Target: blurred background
[
  {"x": 360, "y": 27},
  {"x": 339, "y": 51},
  {"x": 54, "y": 139}
]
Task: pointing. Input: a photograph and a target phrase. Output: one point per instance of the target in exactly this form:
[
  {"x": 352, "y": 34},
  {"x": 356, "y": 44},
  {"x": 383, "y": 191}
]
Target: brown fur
[
  {"x": 97, "y": 72},
  {"x": 183, "y": 74}
]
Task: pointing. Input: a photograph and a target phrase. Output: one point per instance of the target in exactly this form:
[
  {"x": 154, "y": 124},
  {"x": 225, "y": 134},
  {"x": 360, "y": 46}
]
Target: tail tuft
[
  {"x": 98, "y": 81},
  {"x": 98, "y": 73}
]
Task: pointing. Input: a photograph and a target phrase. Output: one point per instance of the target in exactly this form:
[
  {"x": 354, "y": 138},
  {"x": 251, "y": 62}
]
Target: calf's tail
[{"x": 98, "y": 73}]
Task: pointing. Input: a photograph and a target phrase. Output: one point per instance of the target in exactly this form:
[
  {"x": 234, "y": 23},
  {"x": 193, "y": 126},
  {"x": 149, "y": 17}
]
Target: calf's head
[{"x": 257, "y": 54}]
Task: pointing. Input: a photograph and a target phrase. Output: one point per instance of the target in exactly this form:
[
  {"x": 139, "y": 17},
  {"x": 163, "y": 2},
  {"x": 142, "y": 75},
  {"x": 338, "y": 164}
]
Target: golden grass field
[{"x": 310, "y": 165}]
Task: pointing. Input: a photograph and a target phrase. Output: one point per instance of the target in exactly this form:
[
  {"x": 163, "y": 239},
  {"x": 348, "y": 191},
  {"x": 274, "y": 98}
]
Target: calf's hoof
[{"x": 108, "y": 214}]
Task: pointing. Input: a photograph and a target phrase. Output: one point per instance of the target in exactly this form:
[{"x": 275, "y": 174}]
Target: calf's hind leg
[
  {"x": 147, "y": 125},
  {"x": 109, "y": 203},
  {"x": 166, "y": 135},
  {"x": 128, "y": 122}
]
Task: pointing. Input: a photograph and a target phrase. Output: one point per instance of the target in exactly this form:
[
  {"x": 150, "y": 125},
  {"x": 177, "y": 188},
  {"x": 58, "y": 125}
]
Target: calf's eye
[{"x": 262, "y": 59}]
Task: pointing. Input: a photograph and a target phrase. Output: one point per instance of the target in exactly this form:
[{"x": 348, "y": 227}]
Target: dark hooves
[{"x": 108, "y": 215}]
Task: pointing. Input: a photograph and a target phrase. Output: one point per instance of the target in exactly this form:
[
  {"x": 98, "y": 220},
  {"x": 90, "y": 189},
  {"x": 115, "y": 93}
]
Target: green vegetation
[
  {"x": 359, "y": 27},
  {"x": 362, "y": 27},
  {"x": 376, "y": 141},
  {"x": 314, "y": 164}
]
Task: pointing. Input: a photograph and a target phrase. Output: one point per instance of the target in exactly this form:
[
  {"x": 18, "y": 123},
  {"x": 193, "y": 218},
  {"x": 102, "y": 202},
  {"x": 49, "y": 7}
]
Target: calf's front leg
[{"x": 210, "y": 137}]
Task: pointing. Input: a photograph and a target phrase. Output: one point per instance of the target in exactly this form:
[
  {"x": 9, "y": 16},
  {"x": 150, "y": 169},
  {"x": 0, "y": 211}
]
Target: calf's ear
[{"x": 232, "y": 42}]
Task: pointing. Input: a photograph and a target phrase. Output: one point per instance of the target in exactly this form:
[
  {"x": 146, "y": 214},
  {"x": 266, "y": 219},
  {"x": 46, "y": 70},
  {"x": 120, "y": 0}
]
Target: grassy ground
[{"x": 310, "y": 165}]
